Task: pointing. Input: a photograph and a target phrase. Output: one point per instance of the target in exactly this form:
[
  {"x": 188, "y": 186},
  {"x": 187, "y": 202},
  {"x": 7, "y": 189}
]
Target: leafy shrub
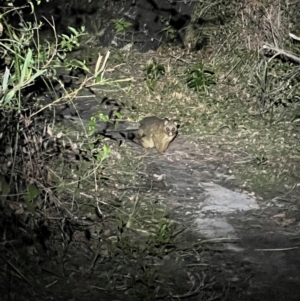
[{"x": 200, "y": 77}]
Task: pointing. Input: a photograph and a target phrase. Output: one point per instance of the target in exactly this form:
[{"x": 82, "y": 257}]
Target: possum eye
[{"x": 167, "y": 129}]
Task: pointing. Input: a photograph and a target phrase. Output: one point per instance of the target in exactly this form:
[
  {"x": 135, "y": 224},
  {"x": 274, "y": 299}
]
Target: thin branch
[
  {"x": 279, "y": 51},
  {"x": 294, "y": 37}
]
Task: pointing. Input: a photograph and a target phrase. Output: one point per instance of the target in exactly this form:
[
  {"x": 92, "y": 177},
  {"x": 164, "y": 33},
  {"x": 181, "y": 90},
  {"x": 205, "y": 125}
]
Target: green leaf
[
  {"x": 106, "y": 152},
  {"x": 92, "y": 125},
  {"x": 37, "y": 74},
  {"x": 25, "y": 66},
  {"x": 160, "y": 68},
  {"x": 73, "y": 30},
  {"x": 81, "y": 64},
  {"x": 103, "y": 117},
  {"x": 33, "y": 192},
  {"x": 32, "y": 7},
  {"x": 61, "y": 187},
  {"x": 118, "y": 114},
  {"x": 4, "y": 187},
  {"x": 99, "y": 79},
  {"x": 119, "y": 223},
  {"x": 5, "y": 79},
  {"x": 9, "y": 96},
  {"x": 66, "y": 37}
]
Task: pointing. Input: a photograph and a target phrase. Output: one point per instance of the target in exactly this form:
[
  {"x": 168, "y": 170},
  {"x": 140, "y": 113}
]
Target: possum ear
[
  {"x": 177, "y": 123},
  {"x": 166, "y": 121}
]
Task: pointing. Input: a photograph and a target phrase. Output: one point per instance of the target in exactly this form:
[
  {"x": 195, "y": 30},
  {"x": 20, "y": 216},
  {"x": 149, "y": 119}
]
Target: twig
[
  {"x": 279, "y": 51},
  {"x": 276, "y": 250},
  {"x": 283, "y": 196},
  {"x": 292, "y": 36},
  {"x": 20, "y": 274}
]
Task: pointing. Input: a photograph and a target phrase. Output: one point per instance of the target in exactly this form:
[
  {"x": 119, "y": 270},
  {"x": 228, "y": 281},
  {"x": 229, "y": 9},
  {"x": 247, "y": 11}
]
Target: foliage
[
  {"x": 154, "y": 70},
  {"x": 68, "y": 42},
  {"x": 121, "y": 24},
  {"x": 276, "y": 86},
  {"x": 28, "y": 60},
  {"x": 200, "y": 77},
  {"x": 169, "y": 29},
  {"x": 171, "y": 32},
  {"x": 153, "y": 73},
  {"x": 28, "y": 63}
]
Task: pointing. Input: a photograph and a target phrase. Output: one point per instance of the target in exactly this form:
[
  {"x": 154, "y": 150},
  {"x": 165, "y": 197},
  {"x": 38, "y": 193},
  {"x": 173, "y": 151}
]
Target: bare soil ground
[{"x": 264, "y": 262}]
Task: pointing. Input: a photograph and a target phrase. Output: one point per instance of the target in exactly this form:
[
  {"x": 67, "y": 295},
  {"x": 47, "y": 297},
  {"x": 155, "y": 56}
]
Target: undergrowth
[
  {"x": 65, "y": 208},
  {"x": 78, "y": 201}
]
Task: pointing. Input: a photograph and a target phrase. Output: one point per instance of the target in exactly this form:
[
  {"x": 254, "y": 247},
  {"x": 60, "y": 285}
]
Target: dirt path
[{"x": 261, "y": 255}]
